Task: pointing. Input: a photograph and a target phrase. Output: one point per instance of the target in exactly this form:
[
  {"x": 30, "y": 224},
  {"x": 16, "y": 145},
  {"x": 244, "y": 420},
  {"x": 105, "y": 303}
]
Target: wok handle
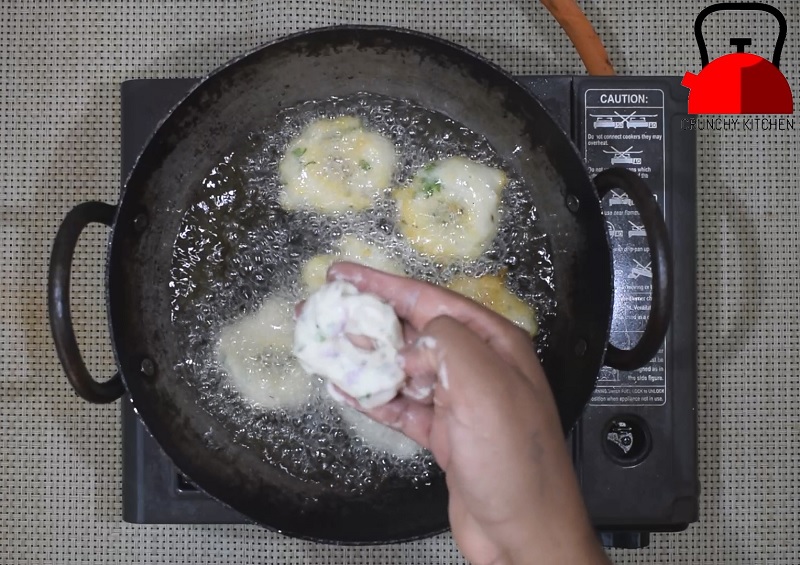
[
  {"x": 58, "y": 308},
  {"x": 661, "y": 264}
]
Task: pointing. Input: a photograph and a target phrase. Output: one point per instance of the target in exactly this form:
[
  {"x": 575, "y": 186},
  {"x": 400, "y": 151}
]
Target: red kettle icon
[{"x": 739, "y": 83}]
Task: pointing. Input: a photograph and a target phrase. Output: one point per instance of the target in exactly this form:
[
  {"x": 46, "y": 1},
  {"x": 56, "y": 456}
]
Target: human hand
[{"x": 477, "y": 397}]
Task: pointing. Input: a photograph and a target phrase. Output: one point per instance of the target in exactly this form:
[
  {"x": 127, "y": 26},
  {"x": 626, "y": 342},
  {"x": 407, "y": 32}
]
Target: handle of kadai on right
[
  {"x": 59, "y": 309},
  {"x": 751, "y": 6},
  {"x": 661, "y": 265}
]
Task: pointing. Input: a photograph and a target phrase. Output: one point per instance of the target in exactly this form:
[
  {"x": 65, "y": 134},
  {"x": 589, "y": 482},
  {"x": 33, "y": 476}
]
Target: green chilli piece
[
  {"x": 299, "y": 151},
  {"x": 364, "y": 165},
  {"x": 431, "y": 187}
]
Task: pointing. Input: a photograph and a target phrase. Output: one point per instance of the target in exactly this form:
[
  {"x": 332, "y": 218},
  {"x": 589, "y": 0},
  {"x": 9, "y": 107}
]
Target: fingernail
[
  {"x": 334, "y": 275},
  {"x": 426, "y": 342},
  {"x": 418, "y": 393},
  {"x": 443, "y": 376}
]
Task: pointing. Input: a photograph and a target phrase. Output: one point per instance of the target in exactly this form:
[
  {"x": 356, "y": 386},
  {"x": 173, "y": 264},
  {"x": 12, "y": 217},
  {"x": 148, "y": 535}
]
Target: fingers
[
  {"x": 418, "y": 303},
  {"x": 471, "y": 381},
  {"x": 454, "y": 378},
  {"x": 409, "y": 332},
  {"x": 298, "y": 309},
  {"x": 415, "y": 301},
  {"x": 402, "y": 414},
  {"x": 362, "y": 341},
  {"x": 451, "y": 356},
  {"x": 407, "y": 416},
  {"x": 410, "y": 335},
  {"x": 421, "y": 367}
]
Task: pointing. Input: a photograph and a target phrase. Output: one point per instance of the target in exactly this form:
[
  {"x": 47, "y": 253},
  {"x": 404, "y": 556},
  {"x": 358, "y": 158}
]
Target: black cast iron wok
[{"x": 222, "y": 110}]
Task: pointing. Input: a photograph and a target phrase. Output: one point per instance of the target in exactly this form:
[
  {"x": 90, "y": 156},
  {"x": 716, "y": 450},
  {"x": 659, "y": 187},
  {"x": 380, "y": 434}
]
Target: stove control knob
[{"x": 626, "y": 440}]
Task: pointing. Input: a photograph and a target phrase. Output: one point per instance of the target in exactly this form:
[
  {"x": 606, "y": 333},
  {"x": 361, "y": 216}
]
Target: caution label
[{"x": 625, "y": 128}]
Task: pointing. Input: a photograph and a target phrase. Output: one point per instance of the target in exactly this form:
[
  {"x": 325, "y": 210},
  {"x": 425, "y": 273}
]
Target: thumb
[{"x": 465, "y": 370}]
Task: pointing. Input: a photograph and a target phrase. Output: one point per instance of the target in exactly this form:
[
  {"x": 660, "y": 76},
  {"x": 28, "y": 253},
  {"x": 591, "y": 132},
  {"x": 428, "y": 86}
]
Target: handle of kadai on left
[{"x": 58, "y": 279}]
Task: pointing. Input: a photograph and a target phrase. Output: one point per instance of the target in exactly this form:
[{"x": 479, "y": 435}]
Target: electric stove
[{"x": 634, "y": 448}]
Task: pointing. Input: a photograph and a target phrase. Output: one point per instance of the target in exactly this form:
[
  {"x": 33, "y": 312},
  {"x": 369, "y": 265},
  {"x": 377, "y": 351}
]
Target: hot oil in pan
[{"x": 237, "y": 246}]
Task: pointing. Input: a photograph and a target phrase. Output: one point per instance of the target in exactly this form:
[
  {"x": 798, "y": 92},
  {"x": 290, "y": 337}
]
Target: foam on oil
[{"x": 236, "y": 246}]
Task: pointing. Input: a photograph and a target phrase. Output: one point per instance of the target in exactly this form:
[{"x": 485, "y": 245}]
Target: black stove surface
[{"x": 635, "y": 446}]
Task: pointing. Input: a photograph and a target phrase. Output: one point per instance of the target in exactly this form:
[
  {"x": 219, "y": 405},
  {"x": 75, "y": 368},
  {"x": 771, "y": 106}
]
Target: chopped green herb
[
  {"x": 364, "y": 165},
  {"x": 431, "y": 186},
  {"x": 309, "y": 163},
  {"x": 429, "y": 167},
  {"x": 299, "y": 151}
]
